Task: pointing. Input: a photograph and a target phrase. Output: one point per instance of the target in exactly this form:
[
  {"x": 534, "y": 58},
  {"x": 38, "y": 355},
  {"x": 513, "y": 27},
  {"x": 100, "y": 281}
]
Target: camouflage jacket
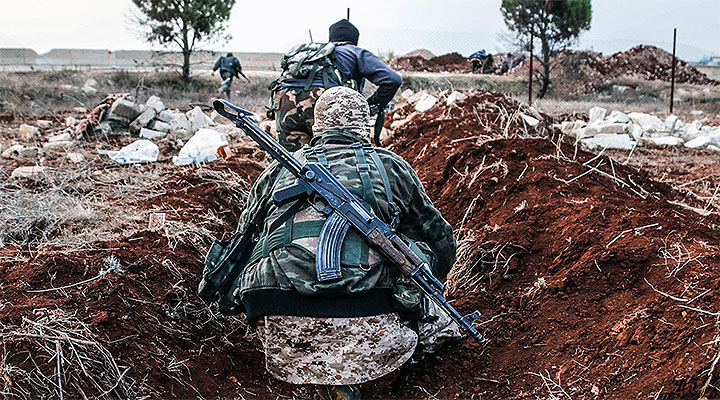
[{"x": 280, "y": 278}]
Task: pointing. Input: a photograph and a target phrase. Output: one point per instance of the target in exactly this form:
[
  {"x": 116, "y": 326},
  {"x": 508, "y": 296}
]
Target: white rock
[
  {"x": 636, "y": 131},
  {"x": 406, "y": 94},
  {"x": 166, "y": 116},
  {"x": 198, "y": 119},
  {"x": 63, "y": 137},
  {"x": 27, "y": 132},
  {"x": 143, "y": 120},
  {"x": 91, "y": 82},
  {"x": 698, "y": 142},
  {"x": 712, "y": 147},
  {"x": 529, "y": 120},
  {"x": 414, "y": 98},
  {"x": 664, "y": 141},
  {"x": 70, "y": 121},
  {"x": 646, "y": 121},
  {"x": 57, "y": 144},
  {"x": 618, "y": 117},
  {"x": 27, "y": 172},
  {"x": 596, "y": 114},
  {"x": 125, "y": 110},
  {"x": 615, "y": 128},
  {"x": 88, "y": 90},
  {"x": 180, "y": 124},
  {"x": 161, "y": 126},
  {"x": 610, "y": 141},
  {"x": 155, "y": 103},
  {"x": 43, "y": 123},
  {"x": 398, "y": 123},
  {"x": 455, "y": 97},
  {"x": 426, "y": 102},
  {"x": 19, "y": 151},
  {"x": 75, "y": 157},
  {"x": 694, "y": 128},
  {"x": 670, "y": 123},
  {"x": 151, "y": 134}
]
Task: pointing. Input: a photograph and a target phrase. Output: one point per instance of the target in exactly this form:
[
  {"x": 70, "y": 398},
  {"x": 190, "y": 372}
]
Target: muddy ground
[{"x": 595, "y": 279}]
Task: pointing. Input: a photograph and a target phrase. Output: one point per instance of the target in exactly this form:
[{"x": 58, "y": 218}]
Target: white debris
[
  {"x": 198, "y": 119},
  {"x": 694, "y": 128},
  {"x": 150, "y": 133},
  {"x": 125, "y": 110},
  {"x": 455, "y": 97},
  {"x": 712, "y": 147},
  {"x": 426, "y": 102},
  {"x": 43, "y": 124},
  {"x": 70, "y": 121},
  {"x": 618, "y": 117},
  {"x": 406, "y": 94},
  {"x": 180, "y": 124},
  {"x": 155, "y": 103},
  {"x": 698, "y": 142},
  {"x": 28, "y": 172},
  {"x": 19, "y": 151},
  {"x": 75, "y": 157},
  {"x": 614, "y": 128},
  {"x": 63, "y": 137},
  {"x": 664, "y": 141},
  {"x": 143, "y": 120},
  {"x": 57, "y": 144},
  {"x": 529, "y": 120},
  {"x": 646, "y": 121},
  {"x": 596, "y": 114},
  {"x": 27, "y": 132},
  {"x": 163, "y": 127},
  {"x": 671, "y": 123},
  {"x": 138, "y": 151},
  {"x": 610, "y": 141},
  {"x": 205, "y": 146}
]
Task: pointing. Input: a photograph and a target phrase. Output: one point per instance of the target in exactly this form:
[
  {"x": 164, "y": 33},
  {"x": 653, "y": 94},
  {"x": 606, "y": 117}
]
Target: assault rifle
[
  {"x": 375, "y": 109},
  {"x": 343, "y": 210}
]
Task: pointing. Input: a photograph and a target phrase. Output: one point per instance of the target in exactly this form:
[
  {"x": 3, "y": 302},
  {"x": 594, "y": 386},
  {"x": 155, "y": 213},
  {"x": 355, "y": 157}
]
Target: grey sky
[{"x": 398, "y": 25}]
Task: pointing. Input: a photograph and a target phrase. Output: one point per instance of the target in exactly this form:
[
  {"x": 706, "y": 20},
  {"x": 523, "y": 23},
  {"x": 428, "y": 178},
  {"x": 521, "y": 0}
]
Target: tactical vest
[{"x": 308, "y": 61}]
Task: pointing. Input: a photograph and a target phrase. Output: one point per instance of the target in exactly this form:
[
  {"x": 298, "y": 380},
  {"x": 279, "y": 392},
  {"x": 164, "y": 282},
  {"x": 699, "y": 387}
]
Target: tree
[
  {"x": 557, "y": 24},
  {"x": 183, "y": 23}
]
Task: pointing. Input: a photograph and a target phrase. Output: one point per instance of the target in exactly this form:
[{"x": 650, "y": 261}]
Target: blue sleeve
[
  {"x": 373, "y": 69},
  {"x": 217, "y": 64}
]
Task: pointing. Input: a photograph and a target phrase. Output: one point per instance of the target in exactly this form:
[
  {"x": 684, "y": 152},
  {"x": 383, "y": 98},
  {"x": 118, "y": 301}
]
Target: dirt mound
[
  {"x": 424, "y": 53},
  {"x": 652, "y": 63},
  {"x": 580, "y": 266},
  {"x": 452, "y": 62}
]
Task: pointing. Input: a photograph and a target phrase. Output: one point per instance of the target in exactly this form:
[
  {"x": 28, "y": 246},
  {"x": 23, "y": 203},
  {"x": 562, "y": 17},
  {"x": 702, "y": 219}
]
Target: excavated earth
[{"x": 592, "y": 281}]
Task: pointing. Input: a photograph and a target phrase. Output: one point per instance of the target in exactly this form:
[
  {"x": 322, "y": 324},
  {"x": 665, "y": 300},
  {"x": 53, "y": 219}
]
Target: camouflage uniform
[
  {"x": 294, "y": 116},
  {"x": 304, "y": 315}
]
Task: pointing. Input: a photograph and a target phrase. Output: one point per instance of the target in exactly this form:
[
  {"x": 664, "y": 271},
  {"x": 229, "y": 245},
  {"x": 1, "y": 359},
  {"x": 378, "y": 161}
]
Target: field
[{"x": 596, "y": 272}]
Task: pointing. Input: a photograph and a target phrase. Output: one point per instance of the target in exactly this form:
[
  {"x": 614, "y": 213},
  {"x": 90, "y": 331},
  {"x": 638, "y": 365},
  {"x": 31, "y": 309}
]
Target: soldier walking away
[
  {"x": 339, "y": 333},
  {"x": 311, "y": 68},
  {"x": 229, "y": 68}
]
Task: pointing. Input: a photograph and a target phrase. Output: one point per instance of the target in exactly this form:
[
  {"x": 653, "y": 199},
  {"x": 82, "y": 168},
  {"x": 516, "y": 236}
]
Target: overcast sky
[{"x": 397, "y": 25}]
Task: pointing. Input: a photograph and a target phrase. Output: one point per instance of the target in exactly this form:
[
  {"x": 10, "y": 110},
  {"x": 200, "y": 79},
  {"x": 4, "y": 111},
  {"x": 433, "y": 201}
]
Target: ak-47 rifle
[{"x": 343, "y": 210}]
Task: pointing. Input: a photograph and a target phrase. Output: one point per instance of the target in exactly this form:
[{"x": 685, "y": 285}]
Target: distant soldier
[
  {"x": 482, "y": 62},
  {"x": 229, "y": 68},
  {"x": 311, "y": 68},
  {"x": 340, "y": 333}
]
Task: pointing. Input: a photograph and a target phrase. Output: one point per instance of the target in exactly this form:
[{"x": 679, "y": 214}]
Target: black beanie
[{"x": 344, "y": 31}]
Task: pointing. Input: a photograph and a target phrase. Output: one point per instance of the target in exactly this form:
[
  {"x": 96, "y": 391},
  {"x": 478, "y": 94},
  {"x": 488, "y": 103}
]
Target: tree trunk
[
  {"x": 186, "y": 65},
  {"x": 546, "y": 68}
]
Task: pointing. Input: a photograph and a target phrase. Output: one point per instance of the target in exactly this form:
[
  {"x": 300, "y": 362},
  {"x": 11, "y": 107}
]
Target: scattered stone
[
  {"x": 28, "y": 172},
  {"x": 455, "y": 97},
  {"x": 125, "y": 110},
  {"x": 406, "y": 94},
  {"x": 180, "y": 124},
  {"x": 75, "y": 157},
  {"x": 670, "y": 123},
  {"x": 165, "y": 116},
  {"x": 151, "y": 134},
  {"x": 610, "y": 141},
  {"x": 70, "y": 121},
  {"x": 89, "y": 90},
  {"x": 155, "y": 103},
  {"x": 27, "y": 132},
  {"x": 646, "y": 121},
  {"x": 198, "y": 119},
  {"x": 143, "y": 120},
  {"x": 698, "y": 142},
  {"x": 712, "y": 147},
  {"x": 618, "y": 117},
  {"x": 43, "y": 124},
  {"x": 63, "y": 137},
  {"x": 426, "y": 102},
  {"x": 596, "y": 114},
  {"x": 81, "y": 110},
  {"x": 161, "y": 126},
  {"x": 664, "y": 141},
  {"x": 615, "y": 128},
  {"x": 20, "y": 152},
  {"x": 530, "y": 120},
  {"x": 58, "y": 144}
]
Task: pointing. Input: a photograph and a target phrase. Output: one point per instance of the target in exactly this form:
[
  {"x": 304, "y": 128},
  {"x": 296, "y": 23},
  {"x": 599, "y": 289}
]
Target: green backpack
[{"x": 307, "y": 61}]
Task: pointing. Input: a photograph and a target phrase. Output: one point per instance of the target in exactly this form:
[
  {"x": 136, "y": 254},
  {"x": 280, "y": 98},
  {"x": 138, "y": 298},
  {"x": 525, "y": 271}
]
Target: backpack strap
[
  {"x": 393, "y": 210},
  {"x": 363, "y": 169}
]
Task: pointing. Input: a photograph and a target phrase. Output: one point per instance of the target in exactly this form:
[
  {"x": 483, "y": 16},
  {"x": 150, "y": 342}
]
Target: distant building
[{"x": 713, "y": 61}]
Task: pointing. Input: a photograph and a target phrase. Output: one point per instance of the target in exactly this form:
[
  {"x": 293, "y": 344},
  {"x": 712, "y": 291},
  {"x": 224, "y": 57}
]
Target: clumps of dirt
[
  {"x": 652, "y": 63},
  {"x": 452, "y": 62},
  {"x": 590, "y": 281}
]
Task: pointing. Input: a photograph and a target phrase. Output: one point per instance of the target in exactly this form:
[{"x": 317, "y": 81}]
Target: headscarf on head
[
  {"x": 344, "y": 31},
  {"x": 342, "y": 108}
]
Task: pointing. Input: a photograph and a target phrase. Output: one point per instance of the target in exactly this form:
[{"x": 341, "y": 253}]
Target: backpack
[{"x": 307, "y": 61}]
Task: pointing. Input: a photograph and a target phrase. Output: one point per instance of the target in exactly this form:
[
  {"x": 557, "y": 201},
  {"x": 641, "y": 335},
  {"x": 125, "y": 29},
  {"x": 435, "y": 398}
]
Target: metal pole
[
  {"x": 310, "y": 32},
  {"x": 530, "y": 77},
  {"x": 672, "y": 72},
  {"x": 348, "y": 17}
]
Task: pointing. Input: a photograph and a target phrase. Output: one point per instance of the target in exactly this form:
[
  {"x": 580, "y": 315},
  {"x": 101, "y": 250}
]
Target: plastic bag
[
  {"x": 205, "y": 146},
  {"x": 138, "y": 151}
]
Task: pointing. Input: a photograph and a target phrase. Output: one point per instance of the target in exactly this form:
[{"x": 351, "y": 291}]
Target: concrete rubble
[{"x": 618, "y": 130}]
